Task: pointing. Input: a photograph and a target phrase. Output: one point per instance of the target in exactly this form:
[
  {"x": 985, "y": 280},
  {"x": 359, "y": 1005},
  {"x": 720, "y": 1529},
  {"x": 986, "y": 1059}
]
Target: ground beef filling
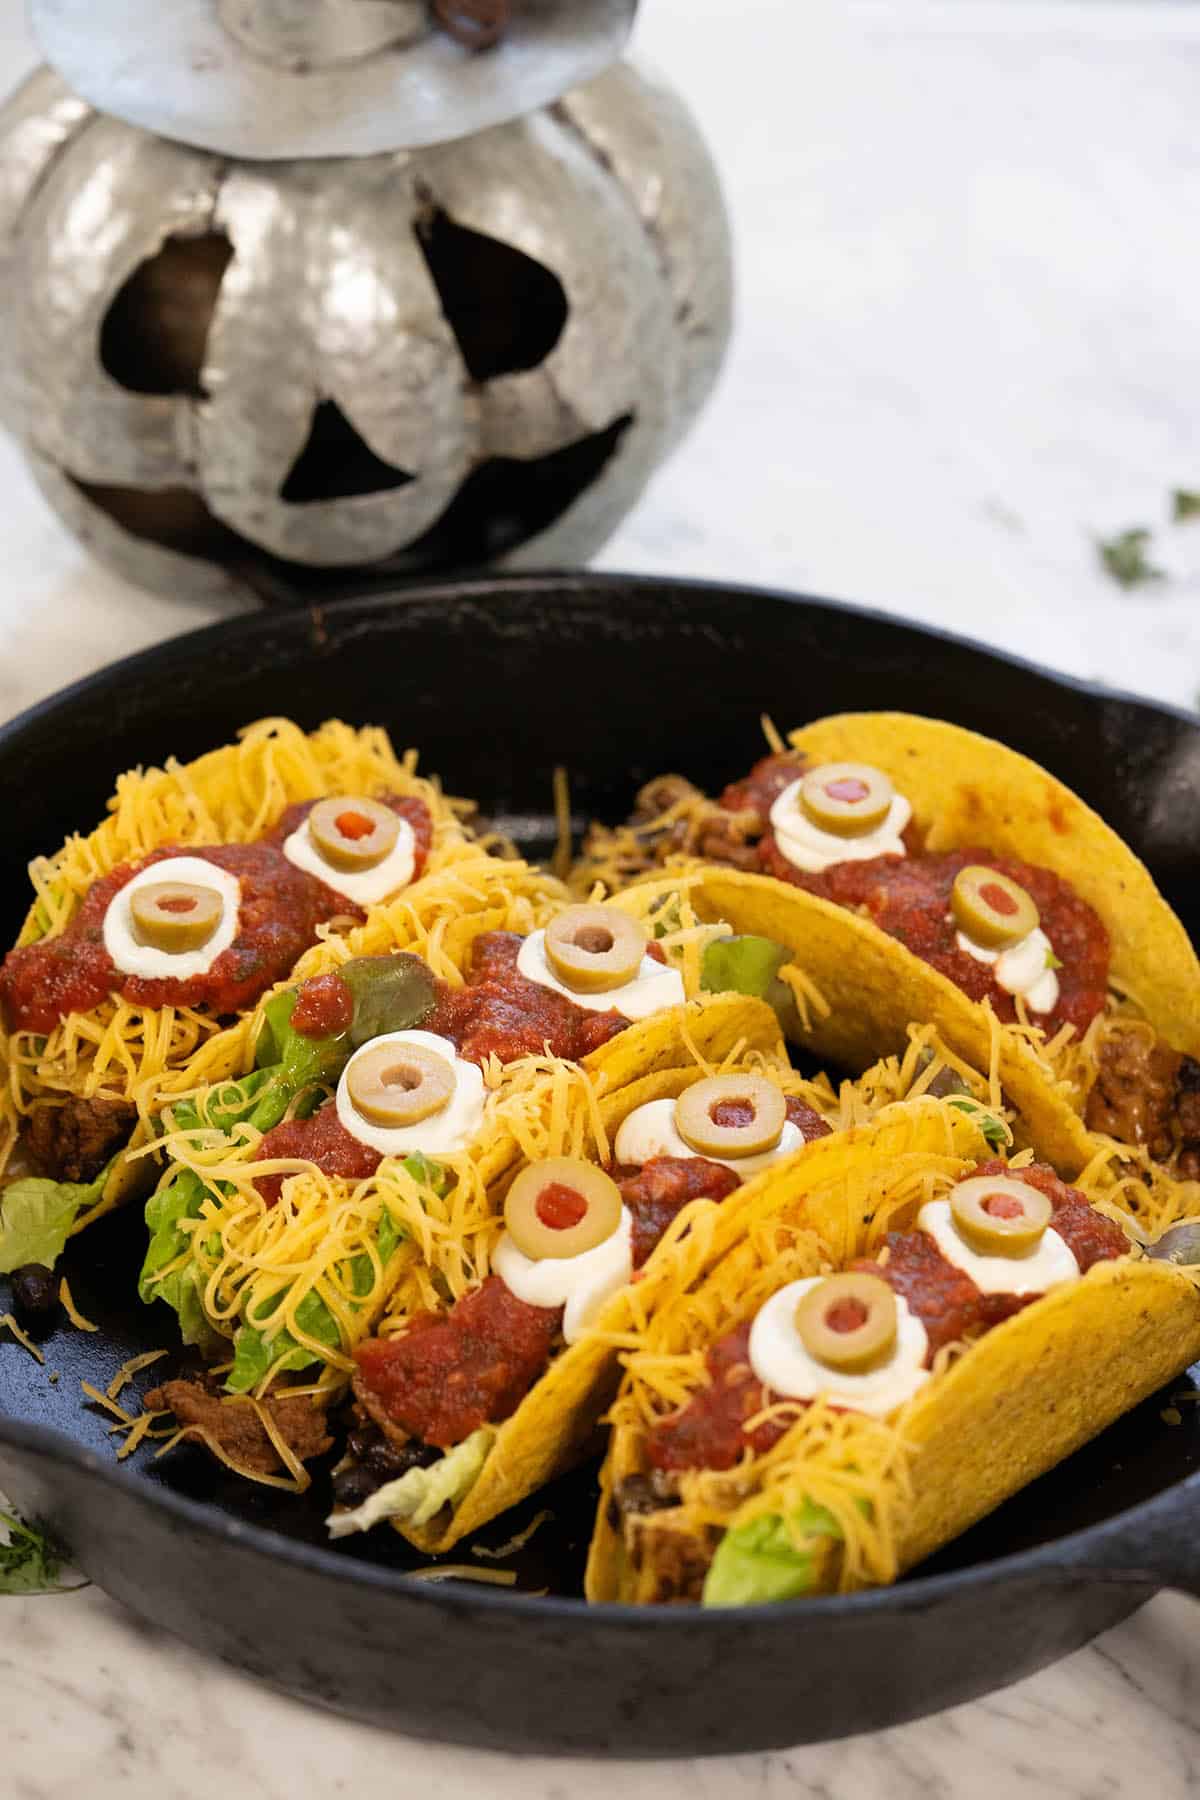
[
  {"x": 74, "y": 1141},
  {"x": 1148, "y": 1094},
  {"x": 711, "y": 1431},
  {"x": 235, "y": 1425}
]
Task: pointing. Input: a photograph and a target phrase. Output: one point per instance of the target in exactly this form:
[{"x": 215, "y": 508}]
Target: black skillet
[{"x": 617, "y": 679}]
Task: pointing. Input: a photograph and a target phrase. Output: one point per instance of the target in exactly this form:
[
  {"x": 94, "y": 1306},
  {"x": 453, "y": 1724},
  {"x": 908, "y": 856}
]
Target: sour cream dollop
[
  {"x": 133, "y": 958},
  {"x": 808, "y": 847},
  {"x": 654, "y": 989},
  {"x": 1047, "y": 1265},
  {"x": 649, "y": 1131},
  {"x": 364, "y": 886},
  {"x": 581, "y": 1284},
  {"x": 453, "y": 1128},
  {"x": 781, "y": 1362},
  {"x": 1024, "y": 968}
]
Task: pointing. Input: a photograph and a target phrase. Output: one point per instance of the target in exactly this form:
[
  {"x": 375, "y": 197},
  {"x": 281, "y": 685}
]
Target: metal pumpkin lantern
[{"x": 467, "y": 352}]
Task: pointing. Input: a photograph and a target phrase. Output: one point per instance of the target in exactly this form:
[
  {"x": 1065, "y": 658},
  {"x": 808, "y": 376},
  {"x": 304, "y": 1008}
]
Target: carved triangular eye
[
  {"x": 336, "y": 464},
  {"x": 505, "y": 309},
  {"x": 154, "y": 334}
]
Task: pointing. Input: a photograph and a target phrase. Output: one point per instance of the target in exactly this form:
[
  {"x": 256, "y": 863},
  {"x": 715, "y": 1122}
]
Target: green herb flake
[
  {"x": 1185, "y": 505},
  {"x": 29, "y": 1562},
  {"x": 1126, "y": 558}
]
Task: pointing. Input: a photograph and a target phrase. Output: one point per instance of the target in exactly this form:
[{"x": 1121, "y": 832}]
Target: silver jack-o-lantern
[{"x": 466, "y": 352}]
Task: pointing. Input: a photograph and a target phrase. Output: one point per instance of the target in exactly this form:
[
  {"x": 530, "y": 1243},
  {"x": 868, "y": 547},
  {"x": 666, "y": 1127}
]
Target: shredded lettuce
[
  {"x": 419, "y": 1496},
  {"x": 256, "y": 1354},
  {"x": 993, "y": 1130},
  {"x": 761, "y": 1562},
  {"x": 181, "y": 1287},
  {"x": 30, "y": 1562},
  {"x": 36, "y": 1216},
  {"x": 751, "y": 965}
]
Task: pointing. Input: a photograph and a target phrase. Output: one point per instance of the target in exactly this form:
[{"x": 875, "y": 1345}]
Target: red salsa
[
  {"x": 321, "y": 1140},
  {"x": 281, "y": 907},
  {"x": 500, "y": 1012},
  {"x": 447, "y": 1375},
  {"x": 909, "y": 898},
  {"x": 324, "y": 1007}
]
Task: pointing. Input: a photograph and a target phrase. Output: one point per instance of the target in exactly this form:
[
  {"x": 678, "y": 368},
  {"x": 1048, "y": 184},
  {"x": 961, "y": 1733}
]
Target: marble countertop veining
[{"x": 967, "y": 322}]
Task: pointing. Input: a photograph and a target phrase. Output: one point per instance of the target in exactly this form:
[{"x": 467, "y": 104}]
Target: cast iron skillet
[{"x": 618, "y": 679}]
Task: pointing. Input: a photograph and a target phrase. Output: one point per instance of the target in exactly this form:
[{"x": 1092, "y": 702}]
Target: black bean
[
  {"x": 34, "y": 1291},
  {"x": 353, "y": 1486}
]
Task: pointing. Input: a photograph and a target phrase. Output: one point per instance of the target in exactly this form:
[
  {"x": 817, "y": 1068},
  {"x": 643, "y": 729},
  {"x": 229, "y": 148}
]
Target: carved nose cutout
[
  {"x": 505, "y": 309},
  {"x": 335, "y": 464}
]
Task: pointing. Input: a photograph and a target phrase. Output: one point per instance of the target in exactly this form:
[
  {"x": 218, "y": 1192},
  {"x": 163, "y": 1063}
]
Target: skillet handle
[{"x": 1158, "y": 1546}]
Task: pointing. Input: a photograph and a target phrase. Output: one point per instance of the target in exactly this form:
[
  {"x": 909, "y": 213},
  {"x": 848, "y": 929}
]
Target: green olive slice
[
  {"x": 990, "y": 908},
  {"x": 731, "y": 1115},
  {"x": 400, "y": 1084},
  {"x": 561, "y": 1207},
  {"x": 849, "y": 1322},
  {"x": 175, "y": 916},
  {"x": 998, "y": 1216},
  {"x": 353, "y": 834},
  {"x": 848, "y": 799},
  {"x": 594, "y": 948}
]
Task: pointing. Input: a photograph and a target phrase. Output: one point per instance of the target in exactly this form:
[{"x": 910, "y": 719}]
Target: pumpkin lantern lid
[{"x": 279, "y": 79}]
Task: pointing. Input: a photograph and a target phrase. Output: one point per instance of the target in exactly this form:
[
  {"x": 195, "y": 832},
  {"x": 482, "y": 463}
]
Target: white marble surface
[{"x": 968, "y": 343}]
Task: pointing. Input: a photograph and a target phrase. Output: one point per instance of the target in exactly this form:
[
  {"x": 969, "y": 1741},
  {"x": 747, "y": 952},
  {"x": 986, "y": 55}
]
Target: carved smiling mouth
[{"x": 502, "y": 503}]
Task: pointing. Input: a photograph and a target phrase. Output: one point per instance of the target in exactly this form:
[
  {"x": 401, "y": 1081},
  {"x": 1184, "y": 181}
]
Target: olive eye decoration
[
  {"x": 175, "y": 916},
  {"x": 847, "y": 799},
  {"x": 353, "y": 834},
  {"x": 561, "y": 1207},
  {"x": 848, "y": 1322},
  {"x": 992, "y": 909},
  {"x": 399, "y": 1084},
  {"x": 594, "y": 948},
  {"x": 731, "y": 1115},
  {"x": 998, "y": 1216}
]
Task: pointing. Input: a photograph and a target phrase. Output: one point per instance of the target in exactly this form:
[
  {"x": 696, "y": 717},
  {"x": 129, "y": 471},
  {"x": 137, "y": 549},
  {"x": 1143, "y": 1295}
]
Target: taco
[
  {"x": 198, "y": 894},
  {"x": 359, "y": 1164},
  {"x": 917, "y": 871},
  {"x": 796, "y": 1422}
]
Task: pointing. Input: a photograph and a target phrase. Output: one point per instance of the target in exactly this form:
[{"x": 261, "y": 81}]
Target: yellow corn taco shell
[{"x": 1027, "y": 1394}]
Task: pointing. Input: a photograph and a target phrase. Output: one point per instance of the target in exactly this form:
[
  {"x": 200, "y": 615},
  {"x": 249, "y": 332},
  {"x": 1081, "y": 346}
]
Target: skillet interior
[{"x": 617, "y": 679}]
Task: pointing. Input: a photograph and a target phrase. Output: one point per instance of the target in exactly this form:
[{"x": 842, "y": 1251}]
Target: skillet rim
[{"x": 1068, "y": 1556}]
